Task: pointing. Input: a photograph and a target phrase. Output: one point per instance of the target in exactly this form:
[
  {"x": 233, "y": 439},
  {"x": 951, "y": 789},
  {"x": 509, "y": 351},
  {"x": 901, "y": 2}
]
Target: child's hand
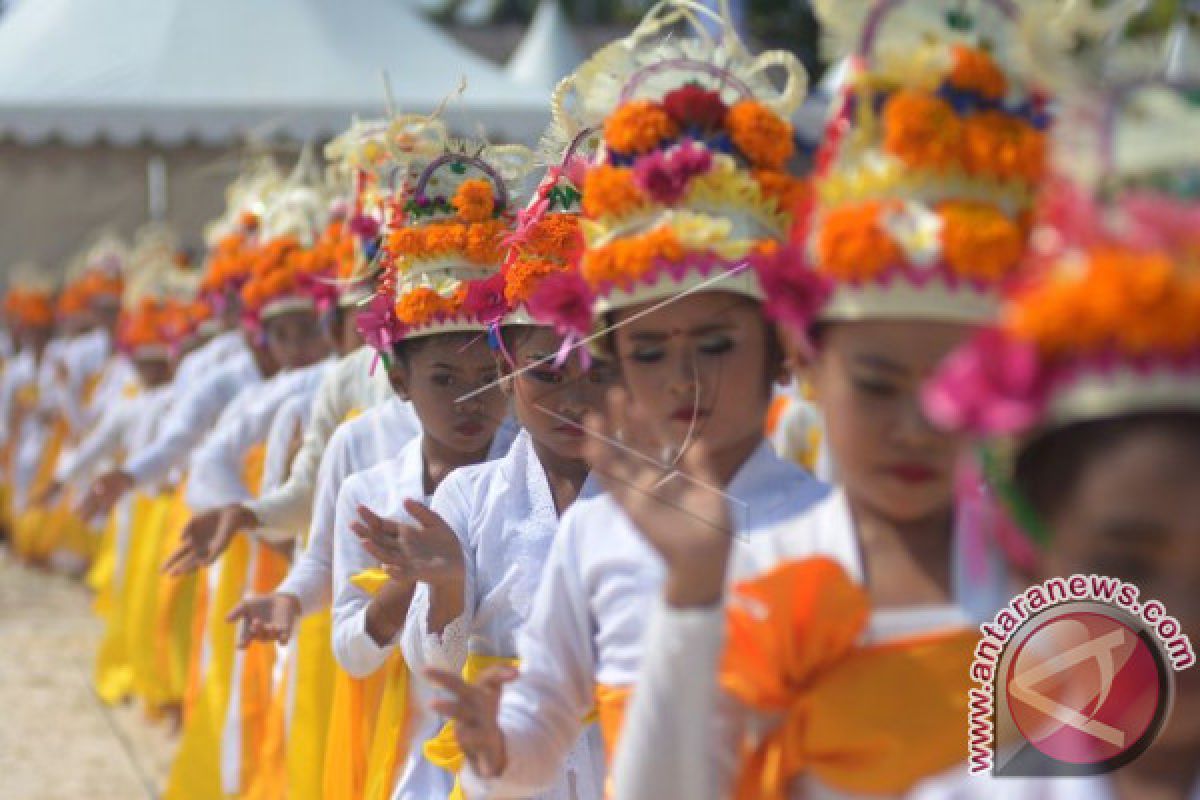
[
  {"x": 202, "y": 541},
  {"x": 269, "y": 618},
  {"x": 104, "y": 493},
  {"x": 427, "y": 551},
  {"x": 475, "y": 709},
  {"x": 680, "y": 508}
]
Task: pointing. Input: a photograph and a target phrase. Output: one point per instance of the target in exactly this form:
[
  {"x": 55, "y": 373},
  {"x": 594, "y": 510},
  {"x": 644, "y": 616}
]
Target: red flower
[
  {"x": 694, "y": 105},
  {"x": 485, "y": 299},
  {"x": 564, "y": 301},
  {"x": 795, "y": 292}
]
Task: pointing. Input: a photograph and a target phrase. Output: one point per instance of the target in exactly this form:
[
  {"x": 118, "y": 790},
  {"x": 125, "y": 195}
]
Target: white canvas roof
[{"x": 212, "y": 70}]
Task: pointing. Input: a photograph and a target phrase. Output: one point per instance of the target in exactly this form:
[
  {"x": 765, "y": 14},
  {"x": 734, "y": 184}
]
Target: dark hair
[{"x": 1048, "y": 468}]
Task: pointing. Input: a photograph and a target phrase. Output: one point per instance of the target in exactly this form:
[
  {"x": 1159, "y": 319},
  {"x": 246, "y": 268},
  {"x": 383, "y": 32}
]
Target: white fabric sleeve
[
  {"x": 678, "y": 739},
  {"x": 353, "y": 647},
  {"x": 448, "y": 649},
  {"x": 104, "y": 440},
  {"x": 311, "y": 577},
  {"x": 542, "y": 712},
  {"x": 287, "y": 507},
  {"x": 215, "y": 473},
  {"x": 186, "y": 424}
]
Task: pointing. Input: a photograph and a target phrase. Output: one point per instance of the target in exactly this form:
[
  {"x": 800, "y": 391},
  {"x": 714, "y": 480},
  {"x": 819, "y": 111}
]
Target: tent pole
[{"x": 156, "y": 188}]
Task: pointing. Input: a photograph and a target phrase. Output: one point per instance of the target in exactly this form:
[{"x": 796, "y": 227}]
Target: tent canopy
[{"x": 169, "y": 71}]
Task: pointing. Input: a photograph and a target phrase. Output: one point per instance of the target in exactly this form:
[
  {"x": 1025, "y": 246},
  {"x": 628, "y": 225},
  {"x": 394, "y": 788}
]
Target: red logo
[{"x": 1086, "y": 688}]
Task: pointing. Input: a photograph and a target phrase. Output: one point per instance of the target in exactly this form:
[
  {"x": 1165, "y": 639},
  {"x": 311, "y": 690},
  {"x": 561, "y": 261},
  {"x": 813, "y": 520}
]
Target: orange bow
[{"x": 872, "y": 719}]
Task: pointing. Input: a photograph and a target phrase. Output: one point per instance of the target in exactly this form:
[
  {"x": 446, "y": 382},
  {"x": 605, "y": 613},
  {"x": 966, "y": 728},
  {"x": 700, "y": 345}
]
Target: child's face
[
  {"x": 1134, "y": 514},
  {"x": 867, "y": 378},
  {"x": 436, "y": 373},
  {"x": 699, "y": 368},
  {"x": 550, "y": 401},
  {"x": 153, "y": 372},
  {"x": 295, "y": 339}
]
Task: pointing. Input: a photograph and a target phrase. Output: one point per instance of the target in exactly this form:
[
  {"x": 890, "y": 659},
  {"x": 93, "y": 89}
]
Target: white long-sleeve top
[
  {"x": 211, "y": 354},
  {"x": 588, "y": 622},
  {"x": 19, "y": 371},
  {"x": 383, "y": 489},
  {"x": 376, "y": 435},
  {"x": 351, "y": 385},
  {"x": 504, "y": 516},
  {"x": 192, "y": 416},
  {"x": 215, "y": 474},
  {"x": 112, "y": 435},
  {"x": 682, "y": 734},
  {"x": 283, "y": 436}
]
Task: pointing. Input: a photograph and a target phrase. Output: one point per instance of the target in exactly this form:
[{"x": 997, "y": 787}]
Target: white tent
[
  {"x": 168, "y": 71},
  {"x": 549, "y": 50}
]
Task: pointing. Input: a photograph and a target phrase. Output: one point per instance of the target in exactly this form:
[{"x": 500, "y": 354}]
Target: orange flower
[
  {"x": 638, "y": 127},
  {"x": 474, "y": 201},
  {"x": 405, "y": 242},
  {"x": 1140, "y": 303},
  {"x": 524, "y": 276},
  {"x": 852, "y": 244},
  {"x": 922, "y": 130},
  {"x": 979, "y": 241},
  {"x": 485, "y": 242},
  {"x": 555, "y": 236},
  {"x": 610, "y": 191},
  {"x": 625, "y": 261},
  {"x": 1001, "y": 146},
  {"x": 421, "y": 305},
  {"x": 762, "y": 135},
  {"x": 788, "y": 192},
  {"x": 975, "y": 71},
  {"x": 443, "y": 239}
]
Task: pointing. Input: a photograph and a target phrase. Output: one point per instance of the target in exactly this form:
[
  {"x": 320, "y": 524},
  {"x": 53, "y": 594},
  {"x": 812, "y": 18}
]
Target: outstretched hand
[
  {"x": 267, "y": 618},
  {"x": 104, "y": 493},
  {"x": 678, "y": 506},
  {"x": 426, "y": 551},
  {"x": 207, "y": 535},
  {"x": 475, "y": 709}
]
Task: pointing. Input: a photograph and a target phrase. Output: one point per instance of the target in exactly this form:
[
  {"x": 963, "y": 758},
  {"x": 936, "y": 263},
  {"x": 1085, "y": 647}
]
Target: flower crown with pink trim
[
  {"x": 1108, "y": 323},
  {"x": 443, "y": 244},
  {"x": 930, "y": 164},
  {"x": 690, "y": 190}
]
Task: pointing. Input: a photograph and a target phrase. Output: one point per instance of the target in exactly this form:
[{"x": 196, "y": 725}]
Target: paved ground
[{"x": 56, "y": 739}]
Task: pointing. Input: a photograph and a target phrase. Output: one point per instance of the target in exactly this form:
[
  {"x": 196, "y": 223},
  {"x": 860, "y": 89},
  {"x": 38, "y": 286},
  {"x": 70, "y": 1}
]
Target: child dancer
[
  {"x": 684, "y": 215},
  {"x": 1090, "y": 387}
]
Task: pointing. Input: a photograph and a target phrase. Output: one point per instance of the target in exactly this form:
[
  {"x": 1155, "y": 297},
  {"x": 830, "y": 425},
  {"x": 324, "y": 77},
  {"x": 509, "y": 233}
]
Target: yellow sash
[
  {"x": 863, "y": 719},
  {"x": 176, "y": 602},
  {"x": 443, "y": 750},
  {"x": 313, "y": 698},
  {"x": 141, "y": 575}
]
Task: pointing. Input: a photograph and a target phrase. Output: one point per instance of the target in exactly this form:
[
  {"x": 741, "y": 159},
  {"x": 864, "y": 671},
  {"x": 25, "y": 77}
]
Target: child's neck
[
  {"x": 728, "y": 461},
  {"x": 438, "y": 461},
  {"x": 565, "y": 476},
  {"x": 907, "y": 563}
]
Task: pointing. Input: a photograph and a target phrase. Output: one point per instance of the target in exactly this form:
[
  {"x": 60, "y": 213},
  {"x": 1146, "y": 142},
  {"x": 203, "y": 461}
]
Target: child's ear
[{"x": 398, "y": 378}]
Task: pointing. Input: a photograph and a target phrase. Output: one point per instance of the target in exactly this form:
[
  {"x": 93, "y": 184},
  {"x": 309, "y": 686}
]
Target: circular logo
[{"x": 1088, "y": 688}]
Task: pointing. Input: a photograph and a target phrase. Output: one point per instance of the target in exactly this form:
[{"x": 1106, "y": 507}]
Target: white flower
[{"x": 918, "y": 231}]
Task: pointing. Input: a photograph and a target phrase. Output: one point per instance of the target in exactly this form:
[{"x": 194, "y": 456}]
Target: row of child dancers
[{"x": 439, "y": 487}]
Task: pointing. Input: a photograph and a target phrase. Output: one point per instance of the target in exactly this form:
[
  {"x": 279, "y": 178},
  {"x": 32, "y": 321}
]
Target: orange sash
[{"x": 874, "y": 719}]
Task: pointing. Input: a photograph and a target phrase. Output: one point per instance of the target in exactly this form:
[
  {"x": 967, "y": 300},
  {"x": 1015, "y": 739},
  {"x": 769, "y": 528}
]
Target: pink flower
[
  {"x": 1160, "y": 222},
  {"x": 378, "y": 324},
  {"x": 564, "y": 301},
  {"x": 364, "y": 227},
  {"x": 664, "y": 175},
  {"x": 485, "y": 299},
  {"x": 795, "y": 293},
  {"x": 575, "y": 169},
  {"x": 992, "y": 386}
]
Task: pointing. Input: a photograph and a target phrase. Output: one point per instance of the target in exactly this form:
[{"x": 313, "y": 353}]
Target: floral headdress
[
  {"x": 444, "y": 241},
  {"x": 232, "y": 238},
  {"x": 924, "y": 184},
  {"x": 289, "y": 272},
  {"x": 158, "y": 311},
  {"x": 100, "y": 277},
  {"x": 1109, "y": 323},
  {"x": 690, "y": 189},
  {"x": 29, "y": 301},
  {"x": 363, "y": 161}
]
